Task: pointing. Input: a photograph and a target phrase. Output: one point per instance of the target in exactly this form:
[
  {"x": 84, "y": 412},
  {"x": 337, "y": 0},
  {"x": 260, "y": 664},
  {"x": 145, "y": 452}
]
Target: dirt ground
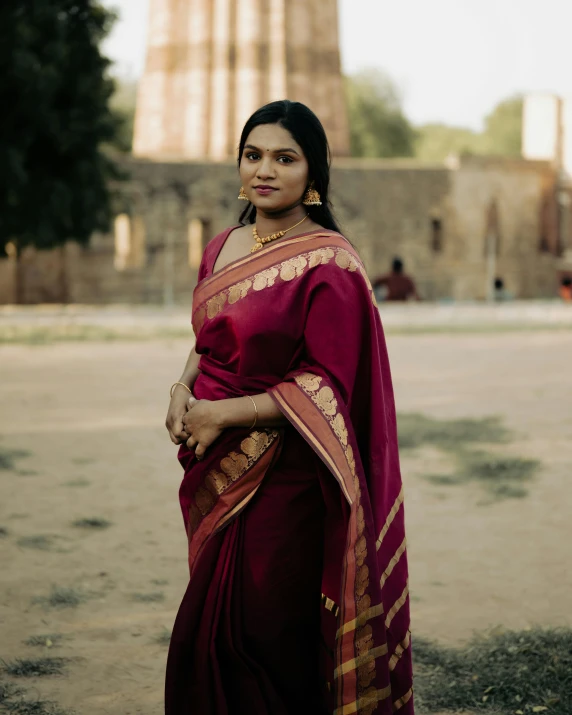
[{"x": 82, "y": 436}]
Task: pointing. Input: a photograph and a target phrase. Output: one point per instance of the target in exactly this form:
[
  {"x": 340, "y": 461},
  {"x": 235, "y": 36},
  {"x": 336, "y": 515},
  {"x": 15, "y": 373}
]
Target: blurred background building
[{"x": 457, "y": 223}]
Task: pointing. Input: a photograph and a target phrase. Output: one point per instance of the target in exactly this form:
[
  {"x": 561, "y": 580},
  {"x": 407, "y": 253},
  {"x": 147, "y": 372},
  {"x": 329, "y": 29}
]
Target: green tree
[
  {"x": 503, "y": 129},
  {"x": 378, "y": 127},
  {"x": 123, "y": 102},
  {"x": 502, "y": 135},
  {"x": 435, "y": 142},
  {"x": 55, "y": 119}
]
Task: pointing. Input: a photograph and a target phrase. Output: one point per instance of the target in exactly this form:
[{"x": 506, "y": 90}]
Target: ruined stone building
[{"x": 210, "y": 63}]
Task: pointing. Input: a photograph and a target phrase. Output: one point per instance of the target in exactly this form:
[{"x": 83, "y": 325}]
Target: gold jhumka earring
[
  {"x": 242, "y": 195},
  {"x": 312, "y": 197}
]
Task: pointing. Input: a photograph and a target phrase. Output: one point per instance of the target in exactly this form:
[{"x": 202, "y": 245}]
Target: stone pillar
[
  {"x": 198, "y": 72},
  {"x": 221, "y": 108},
  {"x": 329, "y": 96},
  {"x": 211, "y": 63},
  {"x": 276, "y": 86},
  {"x": 161, "y": 98},
  {"x": 251, "y": 57}
]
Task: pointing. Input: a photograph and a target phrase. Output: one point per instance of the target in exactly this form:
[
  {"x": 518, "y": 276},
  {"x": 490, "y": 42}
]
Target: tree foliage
[
  {"x": 503, "y": 128},
  {"x": 502, "y": 135},
  {"x": 54, "y": 93},
  {"x": 435, "y": 142},
  {"x": 378, "y": 127},
  {"x": 123, "y": 103}
]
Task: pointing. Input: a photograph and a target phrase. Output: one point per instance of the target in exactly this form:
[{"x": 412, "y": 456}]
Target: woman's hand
[
  {"x": 177, "y": 408},
  {"x": 203, "y": 423}
]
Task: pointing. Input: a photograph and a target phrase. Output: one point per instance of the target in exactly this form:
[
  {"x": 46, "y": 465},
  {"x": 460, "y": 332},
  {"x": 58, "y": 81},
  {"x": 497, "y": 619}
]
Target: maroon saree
[{"x": 298, "y": 594}]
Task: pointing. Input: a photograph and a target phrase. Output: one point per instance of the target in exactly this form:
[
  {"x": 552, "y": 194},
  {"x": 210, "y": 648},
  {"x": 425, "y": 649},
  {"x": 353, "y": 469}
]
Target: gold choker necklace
[{"x": 273, "y": 236}]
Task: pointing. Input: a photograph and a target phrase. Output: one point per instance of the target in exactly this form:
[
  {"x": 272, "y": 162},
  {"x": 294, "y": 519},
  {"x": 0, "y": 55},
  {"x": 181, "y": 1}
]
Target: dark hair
[
  {"x": 567, "y": 281},
  {"x": 397, "y": 265},
  {"x": 309, "y": 133},
  {"x": 499, "y": 284}
]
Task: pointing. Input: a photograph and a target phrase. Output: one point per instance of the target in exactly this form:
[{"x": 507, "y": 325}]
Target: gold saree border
[
  {"x": 397, "y": 605},
  {"x": 226, "y": 488},
  {"x": 281, "y": 263},
  {"x": 320, "y": 420},
  {"x": 390, "y": 517},
  {"x": 274, "y": 249},
  {"x": 400, "y": 650},
  {"x": 398, "y": 704},
  {"x": 366, "y": 704}
]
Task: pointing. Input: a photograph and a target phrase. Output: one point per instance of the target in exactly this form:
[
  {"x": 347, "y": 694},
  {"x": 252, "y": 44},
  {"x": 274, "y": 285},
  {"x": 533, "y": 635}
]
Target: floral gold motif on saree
[
  {"x": 285, "y": 271},
  {"x": 325, "y": 400},
  {"x": 230, "y": 469}
]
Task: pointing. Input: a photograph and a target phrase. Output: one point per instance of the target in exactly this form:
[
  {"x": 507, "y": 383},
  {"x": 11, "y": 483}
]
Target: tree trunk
[
  {"x": 64, "y": 288},
  {"x": 19, "y": 287}
]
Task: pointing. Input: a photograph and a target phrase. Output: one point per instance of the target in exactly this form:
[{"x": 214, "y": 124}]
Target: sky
[{"x": 453, "y": 60}]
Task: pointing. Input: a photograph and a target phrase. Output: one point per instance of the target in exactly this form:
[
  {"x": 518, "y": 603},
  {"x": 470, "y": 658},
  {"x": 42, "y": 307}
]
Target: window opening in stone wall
[
  {"x": 563, "y": 243},
  {"x": 198, "y": 237},
  {"x": 436, "y": 234},
  {"x": 122, "y": 232},
  {"x": 548, "y": 224},
  {"x": 492, "y": 230}
]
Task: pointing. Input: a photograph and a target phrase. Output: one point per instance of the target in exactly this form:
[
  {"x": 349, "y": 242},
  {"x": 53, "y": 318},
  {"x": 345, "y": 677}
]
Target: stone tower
[{"x": 211, "y": 63}]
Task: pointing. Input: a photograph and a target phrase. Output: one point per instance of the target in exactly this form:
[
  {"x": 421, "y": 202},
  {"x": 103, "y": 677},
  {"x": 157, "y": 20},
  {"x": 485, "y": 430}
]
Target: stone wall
[{"x": 436, "y": 218}]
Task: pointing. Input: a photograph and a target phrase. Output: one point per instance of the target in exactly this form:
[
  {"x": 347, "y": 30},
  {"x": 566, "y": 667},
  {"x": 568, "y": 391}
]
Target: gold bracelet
[
  {"x": 182, "y": 385},
  {"x": 253, "y": 425}
]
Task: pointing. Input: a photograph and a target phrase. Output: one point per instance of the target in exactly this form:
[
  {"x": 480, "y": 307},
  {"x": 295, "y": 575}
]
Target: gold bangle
[
  {"x": 253, "y": 425},
  {"x": 182, "y": 385}
]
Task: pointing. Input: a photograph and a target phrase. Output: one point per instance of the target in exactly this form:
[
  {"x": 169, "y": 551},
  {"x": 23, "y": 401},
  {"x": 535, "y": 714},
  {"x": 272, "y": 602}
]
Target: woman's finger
[
  {"x": 192, "y": 442},
  {"x": 179, "y": 429},
  {"x": 200, "y": 451}
]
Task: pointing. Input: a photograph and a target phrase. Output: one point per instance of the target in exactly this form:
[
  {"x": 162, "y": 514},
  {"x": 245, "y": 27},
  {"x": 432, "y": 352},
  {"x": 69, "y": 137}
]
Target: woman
[{"x": 292, "y": 497}]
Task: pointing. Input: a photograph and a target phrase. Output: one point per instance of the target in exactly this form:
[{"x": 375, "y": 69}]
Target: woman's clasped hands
[
  {"x": 202, "y": 425},
  {"x": 196, "y": 422}
]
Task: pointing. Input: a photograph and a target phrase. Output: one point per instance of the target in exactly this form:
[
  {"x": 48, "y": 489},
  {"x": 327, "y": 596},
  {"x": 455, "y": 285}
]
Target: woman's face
[{"x": 273, "y": 169}]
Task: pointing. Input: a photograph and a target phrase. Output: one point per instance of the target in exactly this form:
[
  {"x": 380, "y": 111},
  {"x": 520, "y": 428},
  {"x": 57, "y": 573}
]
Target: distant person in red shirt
[
  {"x": 395, "y": 285},
  {"x": 566, "y": 289}
]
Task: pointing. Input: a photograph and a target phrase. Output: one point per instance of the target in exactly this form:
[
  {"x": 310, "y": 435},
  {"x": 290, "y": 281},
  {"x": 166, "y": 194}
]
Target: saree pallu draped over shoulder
[{"x": 298, "y": 321}]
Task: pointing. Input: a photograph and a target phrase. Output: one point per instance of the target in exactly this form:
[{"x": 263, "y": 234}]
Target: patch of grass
[
  {"x": 8, "y": 458},
  {"x": 41, "y": 542},
  {"x": 503, "y": 477},
  {"x": 444, "y": 480},
  {"x": 13, "y": 702},
  {"x": 492, "y": 468},
  {"x": 94, "y": 522},
  {"x": 511, "y": 672},
  {"x": 159, "y": 581},
  {"x": 4, "y": 532},
  {"x": 416, "y": 430},
  {"x": 34, "y": 667},
  {"x": 62, "y": 598},
  {"x": 148, "y": 597},
  {"x": 7, "y": 692},
  {"x": 48, "y": 640},
  {"x": 164, "y": 638},
  {"x": 77, "y": 483}
]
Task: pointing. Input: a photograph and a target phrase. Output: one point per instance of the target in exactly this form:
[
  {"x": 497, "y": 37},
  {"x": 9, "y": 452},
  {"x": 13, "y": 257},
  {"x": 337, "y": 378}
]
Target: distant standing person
[
  {"x": 565, "y": 291},
  {"x": 395, "y": 285}
]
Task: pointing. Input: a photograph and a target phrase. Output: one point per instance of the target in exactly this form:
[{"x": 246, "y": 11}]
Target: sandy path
[{"x": 91, "y": 414}]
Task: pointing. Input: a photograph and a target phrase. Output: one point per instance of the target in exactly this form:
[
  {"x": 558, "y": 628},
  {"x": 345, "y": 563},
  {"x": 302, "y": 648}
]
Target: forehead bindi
[{"x": 272, "y": 138}]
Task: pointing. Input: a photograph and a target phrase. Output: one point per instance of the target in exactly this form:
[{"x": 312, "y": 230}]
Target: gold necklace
[{"x": 273, "y": 236}]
